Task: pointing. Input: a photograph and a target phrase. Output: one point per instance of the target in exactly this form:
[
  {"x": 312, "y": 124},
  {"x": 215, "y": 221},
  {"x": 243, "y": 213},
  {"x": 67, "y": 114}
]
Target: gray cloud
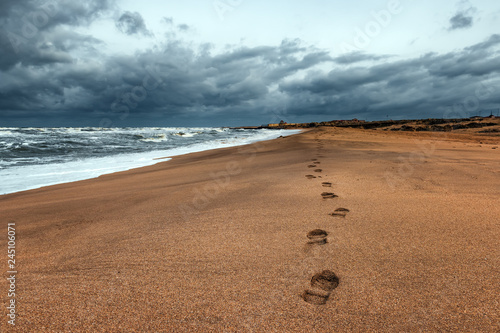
[
  {"x": 493, "y": 41},
  {"x": 132, "y": 24},
  {"x": 461, "y": 21},
  {"x": 183, "y": 27},
  {"x": 354, "y": 57}
]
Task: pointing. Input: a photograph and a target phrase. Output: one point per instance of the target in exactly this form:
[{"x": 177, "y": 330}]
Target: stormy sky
[{"x": 240, "y": 62}]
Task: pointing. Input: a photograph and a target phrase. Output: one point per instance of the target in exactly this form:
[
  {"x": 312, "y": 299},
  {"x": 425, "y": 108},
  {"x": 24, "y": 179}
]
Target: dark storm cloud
[
  {"x": 132, "y": 24},
  {"x": 409, "y": 88},
  {"x": 176, "y": 80},
  {"x": 44, "y": 14},
  {"x": 36, "y": 32},
  {"x": 55, "y": 75},
  {"x": 6, "y": 5},
  {"x": 76, "y": 13}
]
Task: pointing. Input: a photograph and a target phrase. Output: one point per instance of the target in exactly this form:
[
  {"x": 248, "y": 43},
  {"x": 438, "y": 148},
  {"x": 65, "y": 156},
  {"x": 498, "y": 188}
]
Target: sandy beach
[{"x": 217, "y": 241}]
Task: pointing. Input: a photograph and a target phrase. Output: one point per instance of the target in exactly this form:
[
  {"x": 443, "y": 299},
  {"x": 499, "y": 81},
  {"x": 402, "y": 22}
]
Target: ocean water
[{"x": 35, "y": 157}]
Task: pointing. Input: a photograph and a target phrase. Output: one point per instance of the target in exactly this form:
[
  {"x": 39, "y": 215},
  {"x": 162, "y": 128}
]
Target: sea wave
[{"x": 185, "y": 135}]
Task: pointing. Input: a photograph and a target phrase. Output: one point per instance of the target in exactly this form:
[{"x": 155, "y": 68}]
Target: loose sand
[{"x": 218, "y": 241}]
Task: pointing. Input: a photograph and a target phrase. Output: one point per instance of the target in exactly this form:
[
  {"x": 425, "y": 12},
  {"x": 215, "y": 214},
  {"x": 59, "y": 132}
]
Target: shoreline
[
  {"x": 178, "y": 151},
  {"x": 218, "y": 240}
]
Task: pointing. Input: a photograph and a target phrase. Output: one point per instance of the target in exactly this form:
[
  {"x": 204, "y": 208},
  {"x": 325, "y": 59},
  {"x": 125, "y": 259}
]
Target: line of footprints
[{"x": 323, "y": 283}]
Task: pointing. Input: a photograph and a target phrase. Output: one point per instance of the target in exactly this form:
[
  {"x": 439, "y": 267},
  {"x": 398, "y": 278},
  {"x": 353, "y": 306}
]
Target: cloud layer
[{"x": 52, "y": 75}]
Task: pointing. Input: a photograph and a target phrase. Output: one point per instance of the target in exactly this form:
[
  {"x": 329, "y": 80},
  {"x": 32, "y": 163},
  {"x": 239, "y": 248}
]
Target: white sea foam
[{"x": 155, "y": 138}]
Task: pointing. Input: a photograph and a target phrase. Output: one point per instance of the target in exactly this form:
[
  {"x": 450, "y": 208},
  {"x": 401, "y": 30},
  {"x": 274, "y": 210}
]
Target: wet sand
[{"x": 229, "y": 240}]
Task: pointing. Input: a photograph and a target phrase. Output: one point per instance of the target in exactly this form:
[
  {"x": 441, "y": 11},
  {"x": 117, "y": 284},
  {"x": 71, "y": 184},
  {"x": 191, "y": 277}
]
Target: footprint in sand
[
  {"x": 310, "y": 176},
  {"x": 317, "y": 236},
  {"x": 314, "y": 159},
  {"x": 328, "y": 195},
  {"x": 322, "y": 285},
  {"x": 316, "y": 162},
  {"x": 311, "y": 166},
  {"x": 326, "y": 280},
  {"x": 318, "y": 170},
  {"x": 342, "y": 212},
  {"x": 326, "y": 184}
]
